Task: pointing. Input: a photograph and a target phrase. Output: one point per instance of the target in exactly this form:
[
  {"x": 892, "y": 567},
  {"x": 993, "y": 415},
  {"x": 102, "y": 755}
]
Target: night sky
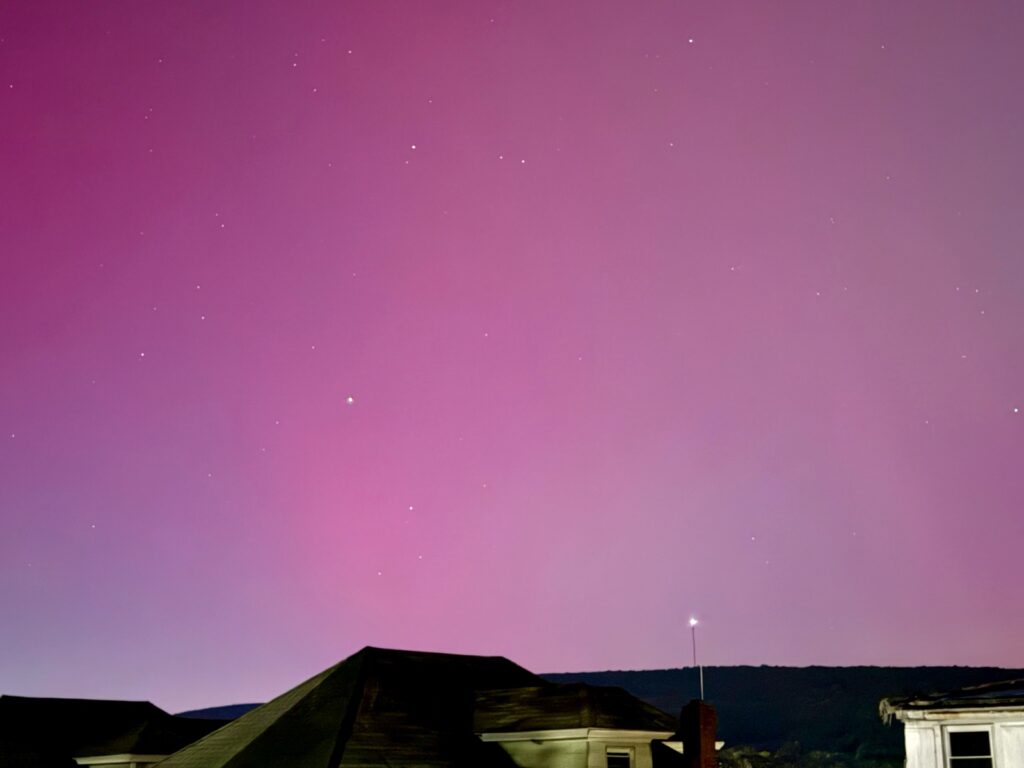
[{"x": 520, "y": 328}]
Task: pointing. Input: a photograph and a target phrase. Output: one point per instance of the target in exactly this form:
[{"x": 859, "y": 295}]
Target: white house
[
  {"x": 977, "y": 727},
  {"x": 575, "y": 726}
]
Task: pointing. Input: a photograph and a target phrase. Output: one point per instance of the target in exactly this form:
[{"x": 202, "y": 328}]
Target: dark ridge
[
  {"x": 831, "y": 709},
  {"x": 226, "y": 712}
]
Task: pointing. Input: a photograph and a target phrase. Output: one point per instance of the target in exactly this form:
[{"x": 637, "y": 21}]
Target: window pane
[
  {"x": 622, "y": 760},
  {"x": 970, "y": 762},
  {"x": 968, "y": 744}
]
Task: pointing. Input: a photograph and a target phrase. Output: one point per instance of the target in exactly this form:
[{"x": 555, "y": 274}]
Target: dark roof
[
  {"x": 377, "y": 707},
  {"x": 160, "y": 736},
  {"x": 571, "y": 705},
  {"x": 383, "y": 707},
  {"x": 1006, "y": 694},
  {"x": 46, "y": 733}
]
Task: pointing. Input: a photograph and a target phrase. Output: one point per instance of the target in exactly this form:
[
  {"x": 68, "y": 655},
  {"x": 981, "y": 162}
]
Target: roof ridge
[
  {"x": 269, "y": 734},
  {"x": 348, "y": 719},
  {"x": 376, "y": 649},
  {"x": 286, "y": 701}
]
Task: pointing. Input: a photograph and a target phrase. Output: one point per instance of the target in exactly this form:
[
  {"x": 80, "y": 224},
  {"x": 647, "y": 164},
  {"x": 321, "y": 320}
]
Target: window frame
[
  {"x": 627, "y": 752},
  {"x": 951, "y": 761}
]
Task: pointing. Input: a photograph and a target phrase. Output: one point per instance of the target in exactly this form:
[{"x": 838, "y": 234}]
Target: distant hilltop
[
  {"x": 227, "y": 712},
  {"x": 832, "y": 709}
]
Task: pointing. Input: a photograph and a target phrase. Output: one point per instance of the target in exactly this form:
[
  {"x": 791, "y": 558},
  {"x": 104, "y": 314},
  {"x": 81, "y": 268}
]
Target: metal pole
[
  {"x": 700, "y": 669},
  {"x": 693, "y": 634}
]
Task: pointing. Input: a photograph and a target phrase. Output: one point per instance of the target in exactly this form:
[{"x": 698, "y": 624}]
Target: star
[{"x": 351, "y": 400}]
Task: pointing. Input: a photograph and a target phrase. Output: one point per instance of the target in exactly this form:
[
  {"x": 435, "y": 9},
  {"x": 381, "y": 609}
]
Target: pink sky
[{"x": 645, "y": 309}]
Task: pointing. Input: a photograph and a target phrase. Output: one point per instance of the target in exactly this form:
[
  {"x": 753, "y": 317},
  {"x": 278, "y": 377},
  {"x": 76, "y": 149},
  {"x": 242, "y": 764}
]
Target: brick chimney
[{"x": 697, "y": 725}]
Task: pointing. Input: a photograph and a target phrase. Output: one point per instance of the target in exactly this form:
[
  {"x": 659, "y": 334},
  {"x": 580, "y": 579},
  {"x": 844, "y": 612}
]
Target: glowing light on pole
[{"x": 693, "y": 636}]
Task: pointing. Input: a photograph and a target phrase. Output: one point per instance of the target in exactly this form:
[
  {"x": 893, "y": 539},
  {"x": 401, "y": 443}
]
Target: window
[
  {"x": 623, "y": 758},
  {"x": 970, "y": 749}
]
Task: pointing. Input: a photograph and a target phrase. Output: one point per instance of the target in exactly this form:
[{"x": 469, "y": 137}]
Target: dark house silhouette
[
  {"x": 401, "y": 708},
  {"x": 50, "y": 733},
  {"x": 377, "y": 708}
]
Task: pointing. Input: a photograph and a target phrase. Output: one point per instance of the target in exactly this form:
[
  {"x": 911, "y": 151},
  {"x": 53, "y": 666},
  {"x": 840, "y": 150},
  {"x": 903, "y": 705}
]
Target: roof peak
[
  {"x": 314, "y": 723},
  {"x": 377, "y": 649}
]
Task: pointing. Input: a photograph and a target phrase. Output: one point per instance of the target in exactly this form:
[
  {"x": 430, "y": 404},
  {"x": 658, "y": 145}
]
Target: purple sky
[{"x": 644, "y": 309}]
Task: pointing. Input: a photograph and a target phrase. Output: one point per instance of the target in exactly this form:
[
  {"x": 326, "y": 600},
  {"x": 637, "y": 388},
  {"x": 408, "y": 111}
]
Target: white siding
[
  {"x": 1009, "y": 745},
  {"x": 575, "y": 747},
  {"x": 549, "y": 754},
  {"x": 924, "y": 746}
]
